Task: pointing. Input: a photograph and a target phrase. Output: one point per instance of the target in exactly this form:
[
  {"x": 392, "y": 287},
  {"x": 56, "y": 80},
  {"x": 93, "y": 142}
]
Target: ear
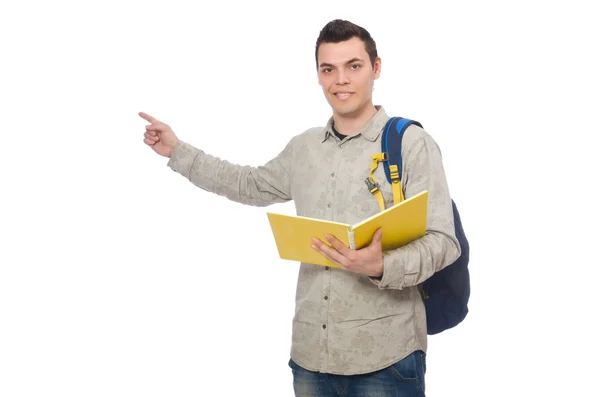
[{"x": 377, "y": 68}]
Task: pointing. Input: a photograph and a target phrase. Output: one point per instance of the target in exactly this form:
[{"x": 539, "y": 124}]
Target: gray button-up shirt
[{"x": 346, "y": 323}]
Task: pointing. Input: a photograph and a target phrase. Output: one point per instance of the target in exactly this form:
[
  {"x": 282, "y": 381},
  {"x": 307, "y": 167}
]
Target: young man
[{"x": 359, "y": 330}]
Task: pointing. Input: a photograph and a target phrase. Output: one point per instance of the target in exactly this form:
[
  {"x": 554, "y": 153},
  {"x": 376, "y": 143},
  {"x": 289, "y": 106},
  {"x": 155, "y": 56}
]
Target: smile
[{"x": 343, "y": 95}]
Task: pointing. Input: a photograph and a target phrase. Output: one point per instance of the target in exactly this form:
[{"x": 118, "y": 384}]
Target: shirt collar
[{"x": 370, "y": 131}]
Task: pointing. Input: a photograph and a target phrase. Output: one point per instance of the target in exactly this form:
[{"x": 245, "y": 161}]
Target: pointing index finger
[{"x": 148, "y": 118}]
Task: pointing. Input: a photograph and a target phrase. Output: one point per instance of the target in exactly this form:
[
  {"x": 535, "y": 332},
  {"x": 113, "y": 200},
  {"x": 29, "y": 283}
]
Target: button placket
[
  {"x": 330, "y": 205},
  {"x": 325, "y": 301}
]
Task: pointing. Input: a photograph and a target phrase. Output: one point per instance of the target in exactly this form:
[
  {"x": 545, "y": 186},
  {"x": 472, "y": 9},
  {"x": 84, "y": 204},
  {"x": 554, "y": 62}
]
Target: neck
[{"x": 350, "y": 124}]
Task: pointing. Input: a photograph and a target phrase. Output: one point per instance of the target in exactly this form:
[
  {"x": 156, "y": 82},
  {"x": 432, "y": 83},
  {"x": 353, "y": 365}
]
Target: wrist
[
  {"x": 173, "y": 147},
  {"x": 380, "y": 269}
]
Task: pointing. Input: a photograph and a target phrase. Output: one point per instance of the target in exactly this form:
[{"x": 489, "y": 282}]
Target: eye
[
  {"x": 355, "y": 66},
  {"x": 326, "y": 70}
]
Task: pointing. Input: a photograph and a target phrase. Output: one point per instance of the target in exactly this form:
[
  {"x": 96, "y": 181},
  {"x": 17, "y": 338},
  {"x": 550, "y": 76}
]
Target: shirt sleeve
[
  {"x": 258, "y": 186},
  {"x": 417, "y": 261}
]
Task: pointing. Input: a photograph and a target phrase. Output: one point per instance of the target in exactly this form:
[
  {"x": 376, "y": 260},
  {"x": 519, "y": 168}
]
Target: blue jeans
[{"x": 402, "y": 379}]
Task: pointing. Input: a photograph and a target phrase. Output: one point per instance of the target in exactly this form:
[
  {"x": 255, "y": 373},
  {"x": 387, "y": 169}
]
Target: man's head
[{"x": 347, "y": 65}]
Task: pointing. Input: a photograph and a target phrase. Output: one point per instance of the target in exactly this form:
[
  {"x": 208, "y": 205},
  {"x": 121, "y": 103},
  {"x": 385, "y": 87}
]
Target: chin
[{"x": 347, "y": 110}]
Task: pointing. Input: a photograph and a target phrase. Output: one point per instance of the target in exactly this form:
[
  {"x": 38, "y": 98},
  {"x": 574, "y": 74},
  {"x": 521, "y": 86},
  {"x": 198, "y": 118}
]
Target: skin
[{"x": 343, "y": 67}]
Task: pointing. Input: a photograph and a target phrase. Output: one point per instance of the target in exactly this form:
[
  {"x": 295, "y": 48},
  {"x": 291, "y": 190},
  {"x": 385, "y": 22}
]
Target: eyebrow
[{"x": 325, "y": 64}]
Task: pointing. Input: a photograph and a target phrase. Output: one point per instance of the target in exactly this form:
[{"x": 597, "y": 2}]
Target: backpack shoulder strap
[{"x": 391, "y": 146}]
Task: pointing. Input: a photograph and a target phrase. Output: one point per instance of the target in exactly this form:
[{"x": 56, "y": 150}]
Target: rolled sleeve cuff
[
  {"x": 394, "y": 273},
  {"x": 183, "y": 157}
]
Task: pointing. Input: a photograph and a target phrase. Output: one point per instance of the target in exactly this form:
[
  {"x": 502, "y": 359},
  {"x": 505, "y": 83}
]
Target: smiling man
[
  {"x": 348, "y": 83},
  {"x": 358, "y": 330}
]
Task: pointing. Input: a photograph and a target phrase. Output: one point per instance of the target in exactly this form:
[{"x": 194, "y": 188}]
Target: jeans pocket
[{"x": 406, "y": 370}]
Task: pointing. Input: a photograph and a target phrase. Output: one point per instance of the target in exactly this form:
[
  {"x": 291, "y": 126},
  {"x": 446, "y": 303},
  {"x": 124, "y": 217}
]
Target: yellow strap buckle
[
  {"x": 372, "y": 184},
  {"x": 374, "y": 187}
]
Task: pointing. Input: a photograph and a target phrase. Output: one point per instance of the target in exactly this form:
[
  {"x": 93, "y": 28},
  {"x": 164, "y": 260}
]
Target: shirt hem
[{"x": 366, "y": 371}]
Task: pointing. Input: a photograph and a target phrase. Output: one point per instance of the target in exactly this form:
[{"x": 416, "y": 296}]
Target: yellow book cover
[{"x": 400, "y": 223}]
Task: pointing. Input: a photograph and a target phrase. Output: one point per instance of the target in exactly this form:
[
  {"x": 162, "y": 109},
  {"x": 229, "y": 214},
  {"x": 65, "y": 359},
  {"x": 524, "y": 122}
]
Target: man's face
[{"x": 346, "y": 75}]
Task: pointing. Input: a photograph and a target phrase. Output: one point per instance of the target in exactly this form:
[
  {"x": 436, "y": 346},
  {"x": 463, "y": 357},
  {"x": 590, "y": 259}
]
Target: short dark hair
[{"x": 340, "y": 30}]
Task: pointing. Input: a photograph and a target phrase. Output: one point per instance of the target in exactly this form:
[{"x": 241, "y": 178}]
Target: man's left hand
[{"x": 367, "y": 260}]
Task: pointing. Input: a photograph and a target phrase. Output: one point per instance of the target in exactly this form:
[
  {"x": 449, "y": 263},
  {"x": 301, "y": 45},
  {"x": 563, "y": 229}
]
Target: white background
[{"x": 118, "y": 277}]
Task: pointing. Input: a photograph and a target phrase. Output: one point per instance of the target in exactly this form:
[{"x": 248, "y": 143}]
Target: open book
[{"x": 401, "y": 224}]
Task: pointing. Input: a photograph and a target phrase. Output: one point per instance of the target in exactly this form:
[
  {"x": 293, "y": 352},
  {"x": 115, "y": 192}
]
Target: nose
[{"x": 342, "y": 78}]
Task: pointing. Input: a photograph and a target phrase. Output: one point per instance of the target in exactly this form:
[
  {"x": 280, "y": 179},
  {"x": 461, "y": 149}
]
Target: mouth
[{"x": 343, "y": 95}]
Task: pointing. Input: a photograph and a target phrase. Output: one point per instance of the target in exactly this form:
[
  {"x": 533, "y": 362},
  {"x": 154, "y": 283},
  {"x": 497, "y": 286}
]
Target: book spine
[{"x": 351, "y": 239}]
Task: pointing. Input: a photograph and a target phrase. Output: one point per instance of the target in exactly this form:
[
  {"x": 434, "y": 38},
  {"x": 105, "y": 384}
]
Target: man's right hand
[{"x": 159, "y": 136}]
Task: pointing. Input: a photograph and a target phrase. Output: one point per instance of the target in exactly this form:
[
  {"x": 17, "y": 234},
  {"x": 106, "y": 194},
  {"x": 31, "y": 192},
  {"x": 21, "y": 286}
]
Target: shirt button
[
  {"x": 326, "y": 298},
  {"x": 326, "y": 267},
  {"x": 328, "y": 205},
  {"x": 324, "y": 326},
  {"x": 333, "y": 174}
]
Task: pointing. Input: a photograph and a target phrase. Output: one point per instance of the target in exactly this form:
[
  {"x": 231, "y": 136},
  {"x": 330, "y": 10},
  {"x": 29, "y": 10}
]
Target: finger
[
  {"x": 155, "y": 127},
  {"x": 331, "y": 253},
  {"x": 326, "y": 255},
  {"x": 378, "y": 236},
  {"x": 148, "y": 118},
  {"x": 149, "y": 142},
  {"x": 338, "y": 245},
  {"x": 151, "y": 135}
]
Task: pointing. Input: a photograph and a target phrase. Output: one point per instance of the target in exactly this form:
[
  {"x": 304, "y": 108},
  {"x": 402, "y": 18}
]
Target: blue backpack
[{"x": 446, "y": 293}]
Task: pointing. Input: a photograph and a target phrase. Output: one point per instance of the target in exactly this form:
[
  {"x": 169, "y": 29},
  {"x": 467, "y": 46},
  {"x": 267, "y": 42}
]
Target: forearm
[
  {"x": 416, "y": 262},
  {"x": 257, "y": 186}
]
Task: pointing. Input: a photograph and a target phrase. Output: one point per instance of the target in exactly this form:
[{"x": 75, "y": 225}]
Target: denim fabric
[{"x": 402, "y": 379}]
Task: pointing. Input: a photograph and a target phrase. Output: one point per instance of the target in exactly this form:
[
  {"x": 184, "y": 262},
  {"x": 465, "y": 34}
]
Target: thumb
[{"x": 378, "y": 235}]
